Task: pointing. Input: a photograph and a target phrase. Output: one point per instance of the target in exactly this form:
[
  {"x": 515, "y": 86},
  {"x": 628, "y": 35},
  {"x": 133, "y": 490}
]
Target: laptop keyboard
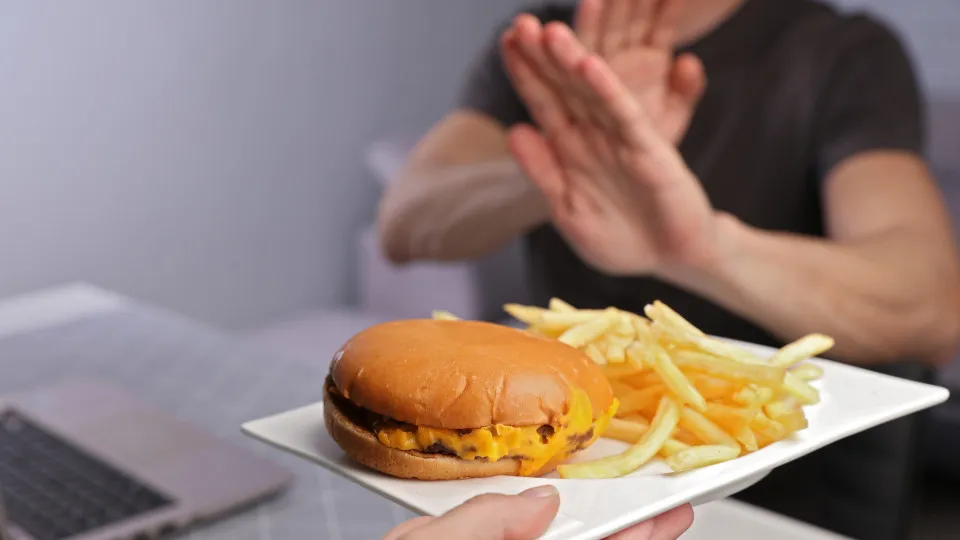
[{"x": 54, "y": 490}]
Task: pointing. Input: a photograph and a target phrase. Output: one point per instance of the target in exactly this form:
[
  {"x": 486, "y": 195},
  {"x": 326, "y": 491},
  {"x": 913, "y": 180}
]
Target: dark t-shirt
[{"x": 794, "y": 88}]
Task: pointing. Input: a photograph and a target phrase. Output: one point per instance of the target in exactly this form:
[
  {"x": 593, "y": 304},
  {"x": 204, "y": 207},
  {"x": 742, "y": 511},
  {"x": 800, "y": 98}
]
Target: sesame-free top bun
[{"x": 465, "y": 375}]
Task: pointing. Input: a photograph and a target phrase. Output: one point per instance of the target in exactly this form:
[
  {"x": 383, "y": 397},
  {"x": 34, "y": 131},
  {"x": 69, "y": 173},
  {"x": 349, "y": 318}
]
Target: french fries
[{"x": 710, "y": 400}]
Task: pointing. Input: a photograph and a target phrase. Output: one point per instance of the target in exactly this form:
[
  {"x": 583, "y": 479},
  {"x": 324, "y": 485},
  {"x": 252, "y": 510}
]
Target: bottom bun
[{"x": 364, "y": 447}]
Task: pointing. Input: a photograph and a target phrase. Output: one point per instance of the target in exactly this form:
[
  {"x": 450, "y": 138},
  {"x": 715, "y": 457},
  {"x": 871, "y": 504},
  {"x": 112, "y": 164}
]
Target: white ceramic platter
[{"x": 852, "y": 400}]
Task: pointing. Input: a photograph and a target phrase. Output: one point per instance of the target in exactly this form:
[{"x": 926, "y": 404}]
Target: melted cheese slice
[{"x": 577, "y": 430}]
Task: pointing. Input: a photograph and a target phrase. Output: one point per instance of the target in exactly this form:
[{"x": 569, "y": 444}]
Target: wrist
[{"x": 726, "y": 246}]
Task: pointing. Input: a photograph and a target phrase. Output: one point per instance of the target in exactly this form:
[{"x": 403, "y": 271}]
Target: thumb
[
  {"x": 495, "y": 517},
  {"x": 687, "y": 79}
]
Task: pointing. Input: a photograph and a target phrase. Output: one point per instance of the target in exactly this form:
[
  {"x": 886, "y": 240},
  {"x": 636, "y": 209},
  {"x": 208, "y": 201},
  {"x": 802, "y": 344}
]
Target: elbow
[
  {"x": 393, "y": 253},
  {"x": 933, "y": 332},
  {"x": 393, "y": 241},
  {"x": 947, "y": 330}
]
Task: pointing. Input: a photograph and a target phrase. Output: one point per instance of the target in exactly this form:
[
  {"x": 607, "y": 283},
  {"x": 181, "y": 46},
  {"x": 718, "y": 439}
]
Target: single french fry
[
  {"x": 673, "y": 378},
  {"x": 624, "y": 329},
  {"x": 671, "y": 447},
  {"x": 557, "y": 304},
  {"x": 701, "y": 456},
  {"x": 636, "y": 354},
  {"x": 581, "y": 334},
  {"x": 731, "y": 419},
  {"x": 807, "y": 372},
  {"x": 594, "y": 354},
  {"x": 729, "y": 369},
  {"x": 622, "y": 371},
  {"x": 637, "y": 418},
  {"x": 643, "y": 379},
  {"x": 625, "y": 430},
  {"x": 747, "y": 396},
  {"x": 554, "y": 321},
  {"x": 747, "y": 438},
  {"x": 704, "y": 429},
  {"x": 686, "y": 436},
  {"x": 764, "y": 394},
  {"x": 640, "y": 401},
  {"x": 616, "y": 353},
  {"x": 442, "y": 315},
  {"x": 800, "y": 389},
  {"x": 767, "y": 431},
  {"x": 631, "y": 431},
  {"x": 711, "y": 387},
  {"x": 526, "y": 314},
  {"x": 641, "y": 326},
  {"x": 802, "y": 349},
  {"x": 788, "y": 414},
  {"x": 663, "y": 314}
]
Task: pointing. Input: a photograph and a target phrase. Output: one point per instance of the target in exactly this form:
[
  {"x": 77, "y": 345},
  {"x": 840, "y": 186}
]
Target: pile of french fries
[{"x": 689, "y": 398}]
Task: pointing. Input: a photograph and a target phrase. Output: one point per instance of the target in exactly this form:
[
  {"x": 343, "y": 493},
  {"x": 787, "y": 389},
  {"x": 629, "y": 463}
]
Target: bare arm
[
  {"x": 460, "y": 196},
  {"x": 886, "y": 284}
]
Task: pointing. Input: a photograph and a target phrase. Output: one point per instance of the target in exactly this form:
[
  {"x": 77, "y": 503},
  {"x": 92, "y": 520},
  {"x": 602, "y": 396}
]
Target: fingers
[
  {"x": 495, "y": 517},
  {"x": 616, "y": 101},
  {"x": 688, "y": 80},
  {"x": 663, "y": 33},
  {"x": 616, "y": 26},
  {"x": 641, "y": 21},
  {"x": 538, "y": 163},
  {"x": 530, "y": 37},
  {"x": 589, "y": 22},
  {"x": 568, "y": 55},
  {"x": 610, "y": 103},
  {"x": 542, "y": 99},
  {"x": 406, "y": 527},
  {"x": 667, "y": 526},
  {"x": 671, "y": 525}
]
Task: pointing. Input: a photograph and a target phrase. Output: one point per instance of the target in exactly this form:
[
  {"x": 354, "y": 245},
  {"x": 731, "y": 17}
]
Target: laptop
[{"x": 84, "y": 459}]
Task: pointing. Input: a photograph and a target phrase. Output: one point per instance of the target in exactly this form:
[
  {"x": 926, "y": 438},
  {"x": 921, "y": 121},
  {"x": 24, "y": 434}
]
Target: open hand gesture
[{"x": 604, "y": 158}]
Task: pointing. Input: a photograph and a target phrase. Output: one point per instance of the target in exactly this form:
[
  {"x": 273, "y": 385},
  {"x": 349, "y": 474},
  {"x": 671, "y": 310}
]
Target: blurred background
[
  {"x": 223, "y": 159},
  {"x": 215, "y": 157}
]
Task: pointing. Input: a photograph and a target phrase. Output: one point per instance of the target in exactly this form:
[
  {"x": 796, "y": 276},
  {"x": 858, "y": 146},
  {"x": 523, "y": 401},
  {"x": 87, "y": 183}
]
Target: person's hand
[
  {"x": 636, "y": 39},
  {"x": 618, "y": 189},
  {"x": 524, "y": 517}
]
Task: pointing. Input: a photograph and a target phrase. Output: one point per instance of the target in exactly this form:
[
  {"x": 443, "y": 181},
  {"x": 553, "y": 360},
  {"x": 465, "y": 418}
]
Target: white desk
[{"x": 722, "y": 520}]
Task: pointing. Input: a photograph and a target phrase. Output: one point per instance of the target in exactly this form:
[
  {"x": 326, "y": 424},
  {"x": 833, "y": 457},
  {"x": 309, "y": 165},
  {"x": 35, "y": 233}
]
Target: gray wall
[
  {"x": 207, "y": 156},
  {"x": 930, "y": 30}
]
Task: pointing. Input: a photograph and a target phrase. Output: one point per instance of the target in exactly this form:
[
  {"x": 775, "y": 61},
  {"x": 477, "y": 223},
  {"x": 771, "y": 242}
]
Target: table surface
[{"x": 194, "y": 372}]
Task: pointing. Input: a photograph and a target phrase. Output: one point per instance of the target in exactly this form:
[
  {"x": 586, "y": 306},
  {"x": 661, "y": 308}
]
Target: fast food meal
[
  {"x": 690, "y": 398},
  {"x": 447, "y": 399}
]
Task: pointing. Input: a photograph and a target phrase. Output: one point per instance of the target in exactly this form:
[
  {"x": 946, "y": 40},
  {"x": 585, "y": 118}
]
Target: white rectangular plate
[{"x": 852, "y": 400}]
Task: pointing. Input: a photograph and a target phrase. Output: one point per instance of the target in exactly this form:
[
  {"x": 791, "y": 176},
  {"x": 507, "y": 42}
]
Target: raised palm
[{"x": 604, "y": 154}]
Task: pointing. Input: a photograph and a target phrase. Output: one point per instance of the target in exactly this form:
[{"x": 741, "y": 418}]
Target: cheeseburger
[{"x": 440, "y": 400}]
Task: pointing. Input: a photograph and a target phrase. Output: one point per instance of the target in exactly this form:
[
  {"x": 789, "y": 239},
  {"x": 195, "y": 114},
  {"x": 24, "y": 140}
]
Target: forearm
[
  {"x": 459, "y": 212},
  {"x": 883, "y": 301}
]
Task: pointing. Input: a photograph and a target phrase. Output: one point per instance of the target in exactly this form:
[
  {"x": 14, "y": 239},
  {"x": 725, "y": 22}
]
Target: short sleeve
[
  {"x": 487, "y": 87},
  {"x": 871, "y": 99}
]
